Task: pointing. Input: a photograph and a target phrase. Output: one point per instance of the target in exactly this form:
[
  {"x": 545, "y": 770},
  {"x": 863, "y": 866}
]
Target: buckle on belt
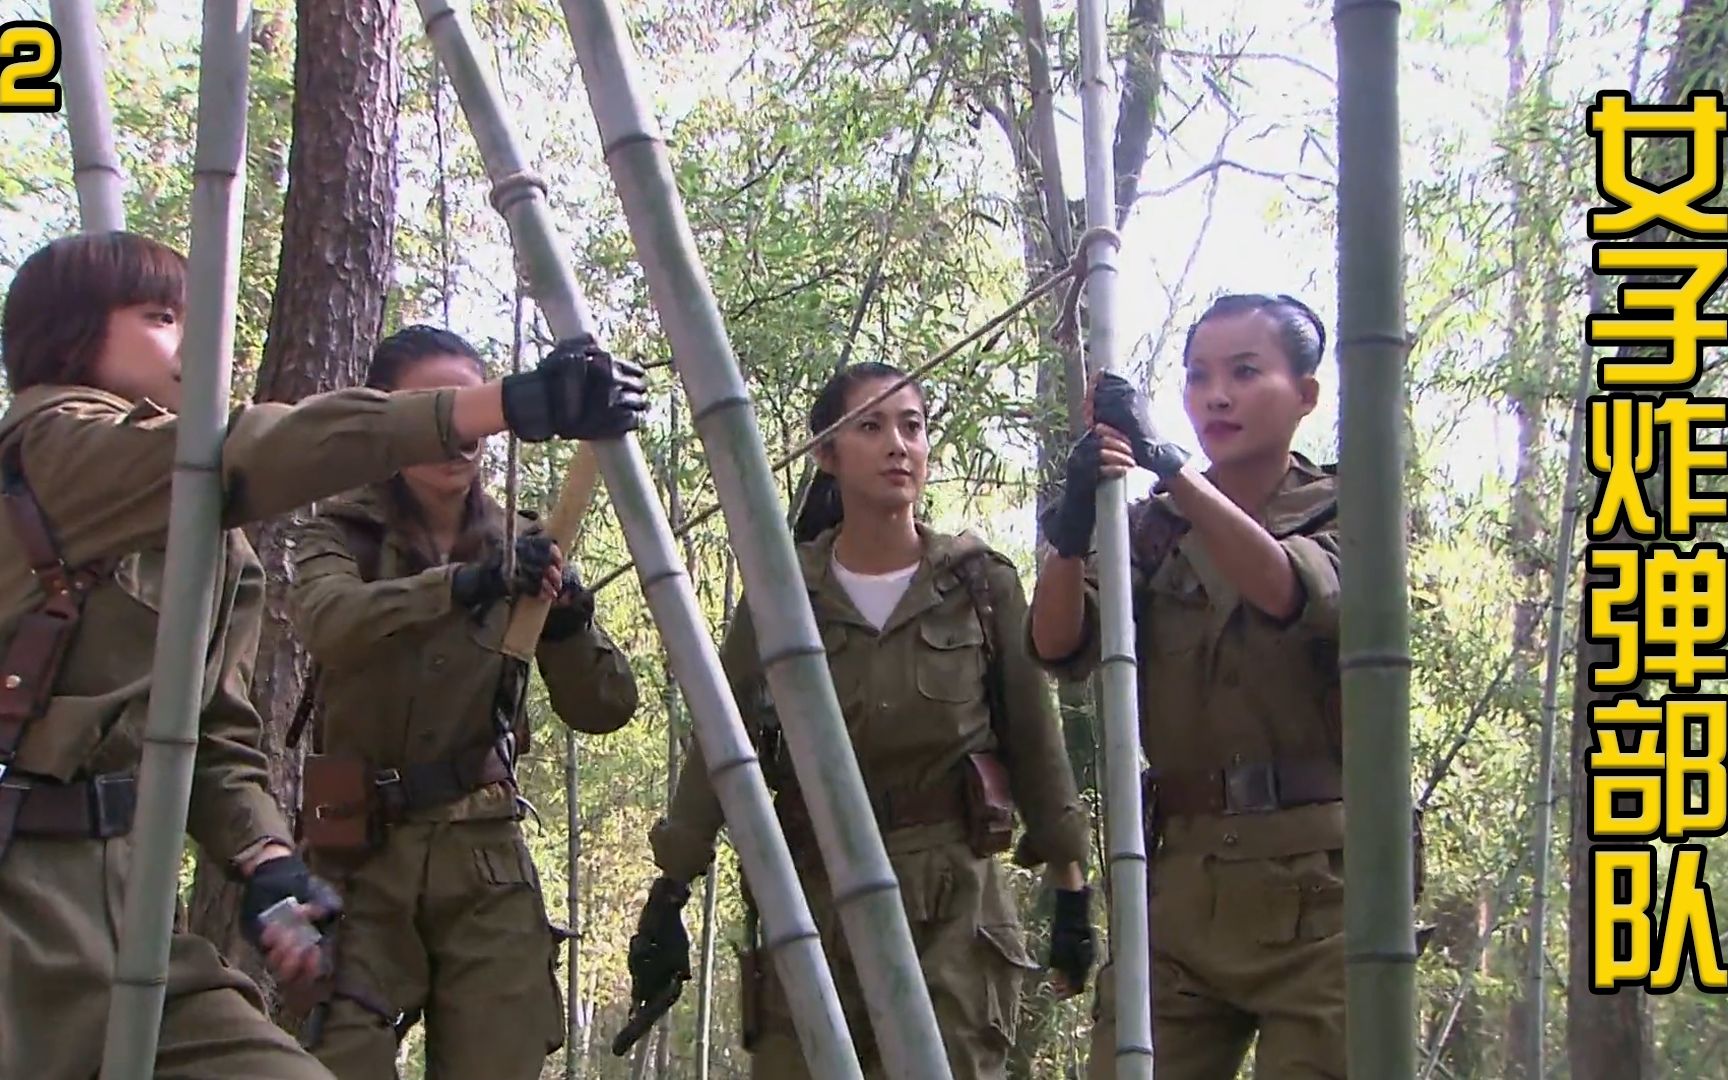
[
  {"x": 113, "y": 801},
  {"x": 1251, "y": 789}
]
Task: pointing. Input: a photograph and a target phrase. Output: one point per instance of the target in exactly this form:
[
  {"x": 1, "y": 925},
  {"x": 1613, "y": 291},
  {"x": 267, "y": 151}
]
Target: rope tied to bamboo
[{"x": 1080, "y": 269}]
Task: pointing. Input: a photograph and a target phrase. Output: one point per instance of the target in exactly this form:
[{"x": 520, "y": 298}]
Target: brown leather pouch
[
  {"x": 989, "y": 805},
  {"x": 337, "y": 805},
  {"x": 33, "y": 659}
]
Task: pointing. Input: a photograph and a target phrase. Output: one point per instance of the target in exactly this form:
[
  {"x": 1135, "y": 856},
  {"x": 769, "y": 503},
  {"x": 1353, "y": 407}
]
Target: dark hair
[
  {"x": 409, "y": 346},
  {"x": 1300, "y": 332},
  {"x": 56, "y": 318},
  {"x": 821, "y": 509},
  {"x": 394, "y": 355}
]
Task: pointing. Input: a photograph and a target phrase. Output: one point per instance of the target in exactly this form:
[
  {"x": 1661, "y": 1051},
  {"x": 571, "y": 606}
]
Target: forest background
[{"x": 868, "y": 181}]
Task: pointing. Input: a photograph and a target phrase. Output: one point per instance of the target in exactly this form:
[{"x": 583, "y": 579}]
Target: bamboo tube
[
  {"x": 194, "y": 548},
  {"x": 732, "y": 762},
  {"x": 866, "y": 893},
  {"x": 1375, "y": 632},
  {"x": 95, "y": 168},
  {"x": 1130, "y": 947}
]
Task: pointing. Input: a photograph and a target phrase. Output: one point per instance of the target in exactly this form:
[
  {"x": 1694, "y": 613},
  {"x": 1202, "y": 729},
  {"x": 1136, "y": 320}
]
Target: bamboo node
[{"x": 514, "y": 187}]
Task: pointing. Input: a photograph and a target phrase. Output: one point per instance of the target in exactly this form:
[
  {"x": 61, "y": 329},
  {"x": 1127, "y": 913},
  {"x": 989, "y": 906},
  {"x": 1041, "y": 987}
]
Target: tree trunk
[
  {"x": 338, "y": 225},
  {"x": 1611, "y": 1035}
]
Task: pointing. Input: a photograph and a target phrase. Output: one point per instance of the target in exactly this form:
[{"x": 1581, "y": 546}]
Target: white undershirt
[{"x": 875, "y": 595}]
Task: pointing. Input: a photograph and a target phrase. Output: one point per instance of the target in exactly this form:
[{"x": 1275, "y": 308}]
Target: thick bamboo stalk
[
  {"x": 95, "y": 168},
  {"x": 866, "y": 893},
  {"x": 1374, "y": 641},
  {"x": 1534, "y": 975},
  {"x": 1130, "y": 946},
  {"x": 730, "y": 758},
  {"x": 194, "y": 548}
]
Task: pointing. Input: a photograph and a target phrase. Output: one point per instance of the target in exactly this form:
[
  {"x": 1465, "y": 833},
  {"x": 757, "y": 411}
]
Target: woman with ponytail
[
  {"x": 402, "y": 595},
  {"x": 953, "y": 731}
]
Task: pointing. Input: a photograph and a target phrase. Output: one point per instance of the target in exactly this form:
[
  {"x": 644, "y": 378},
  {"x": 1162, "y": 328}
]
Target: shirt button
[
  {"x": 438, "y": 663},
  {"x": 1230, "y": 839}
]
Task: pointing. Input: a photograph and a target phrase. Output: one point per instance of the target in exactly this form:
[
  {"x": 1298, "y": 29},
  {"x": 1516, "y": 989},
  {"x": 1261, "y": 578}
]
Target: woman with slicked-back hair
[{"x": 1235, "y": 583}]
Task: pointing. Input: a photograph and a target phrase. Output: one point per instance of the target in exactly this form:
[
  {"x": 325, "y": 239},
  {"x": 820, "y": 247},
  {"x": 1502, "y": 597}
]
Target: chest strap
[{"x": 1256, "y": 787}]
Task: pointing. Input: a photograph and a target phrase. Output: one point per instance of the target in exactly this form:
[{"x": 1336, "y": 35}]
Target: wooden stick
[{"x": 528, "y": 616}]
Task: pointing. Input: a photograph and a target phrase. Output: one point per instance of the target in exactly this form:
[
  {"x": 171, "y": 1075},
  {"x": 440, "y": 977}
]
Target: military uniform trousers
[
  {"x": 1239, "y": 947},
  {"x": 969, "y": 945},
  {"x": 61, "y": 905},
  {"x": 446, "y": 922}
]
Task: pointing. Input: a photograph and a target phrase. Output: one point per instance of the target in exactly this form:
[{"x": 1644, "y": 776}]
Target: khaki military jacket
[
  {"x": 101, "y": 467},
  {"x": 914, "y": 700},
  {"x": 1221, "y": 682},
  {"x": 408, "y": 677}
]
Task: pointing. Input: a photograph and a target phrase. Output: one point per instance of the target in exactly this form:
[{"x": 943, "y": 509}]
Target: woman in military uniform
[
  {"x": 1235, "y": 579},
  {"x": 91, "y": 337},
  {"x": 906, "y": 643},
  {"x": 401, "y": 595}
]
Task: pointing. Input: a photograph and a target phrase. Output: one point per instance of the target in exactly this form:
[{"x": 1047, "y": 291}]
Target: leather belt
[
  {"x": 1257, "y": 787},
  {"x": 898, "y": 809},
  {"x": 409, "y": 788},
  {"x": 93, "y": 809}
]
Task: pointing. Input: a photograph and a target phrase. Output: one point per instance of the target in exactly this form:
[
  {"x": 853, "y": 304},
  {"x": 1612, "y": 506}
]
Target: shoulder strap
[
  {"x": 971, "y": 570},
  {"x": 44, "y": 636},
  {"x": 364, "y": 545}
]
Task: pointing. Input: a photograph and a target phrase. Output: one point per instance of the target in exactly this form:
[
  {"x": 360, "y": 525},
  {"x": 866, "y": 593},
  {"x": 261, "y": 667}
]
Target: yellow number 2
[{"x": 29, "y": 60}]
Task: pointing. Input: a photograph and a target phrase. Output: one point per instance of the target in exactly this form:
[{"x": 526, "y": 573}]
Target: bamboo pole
[
  {"x": 1534, "y": 975},
  {"x": 731, "y": 760},
  {"x": 89, "y": 123},
  {"x": 194, "y": 548},
  {"x": 866, "y": 893},
  {"x": 710, "y": 900},
  {"x": 1130, "y": 947},
  {"x": 1374, "y": 643}
]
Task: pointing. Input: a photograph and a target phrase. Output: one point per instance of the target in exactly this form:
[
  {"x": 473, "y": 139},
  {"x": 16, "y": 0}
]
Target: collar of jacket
[
  {"x": 1305, "y": 499},
  {"x": 935, "y": 577}
]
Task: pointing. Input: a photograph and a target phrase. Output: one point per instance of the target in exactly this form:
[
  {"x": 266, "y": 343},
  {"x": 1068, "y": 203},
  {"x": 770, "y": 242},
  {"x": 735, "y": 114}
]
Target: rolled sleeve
[
  {"x": 1315, "y": 561},
  {"x": 1084, "y": 660}
]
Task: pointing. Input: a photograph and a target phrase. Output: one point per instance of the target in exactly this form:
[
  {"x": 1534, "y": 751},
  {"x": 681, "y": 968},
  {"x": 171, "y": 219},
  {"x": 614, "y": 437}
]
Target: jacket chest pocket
[{"x": 948, "y": 660}]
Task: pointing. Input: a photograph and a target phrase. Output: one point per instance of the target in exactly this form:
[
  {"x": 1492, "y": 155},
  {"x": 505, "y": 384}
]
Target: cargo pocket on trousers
[
  {"x": 509, "y": 866},
  {"x": 1004, "y": 967},
  {"x": 1322, "y": 896}
]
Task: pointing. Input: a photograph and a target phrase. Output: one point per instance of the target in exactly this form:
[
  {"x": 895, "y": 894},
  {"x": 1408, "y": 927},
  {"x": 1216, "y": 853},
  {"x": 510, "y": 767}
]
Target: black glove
[
  {"x": 479, "y": 584},
  {"x": 574, "y": 610},
  {"x": 533, "y": 556},
  {"x": 1072, "y": 950},
  {"x": 1116, "y": 402},
  {"x": 579, "y": 391},
  {"x": 660, "y": 949},
  {"x": 284, "y": 878},
  {"x": 1068, "y": 521}
]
